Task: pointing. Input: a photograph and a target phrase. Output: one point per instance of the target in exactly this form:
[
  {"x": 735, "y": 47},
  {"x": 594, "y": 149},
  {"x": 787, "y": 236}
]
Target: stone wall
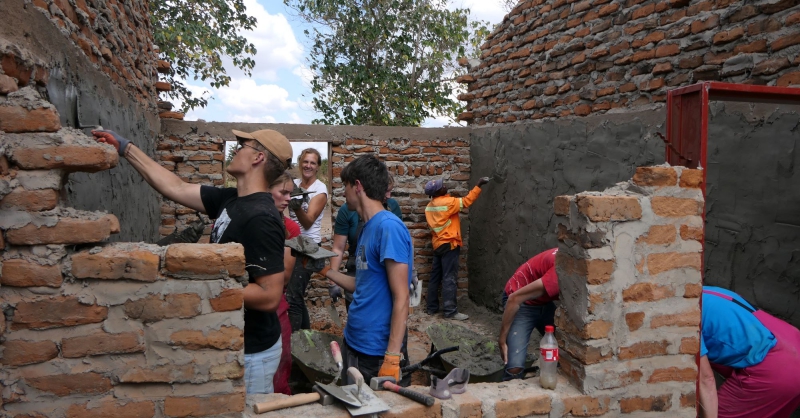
[
  {"x": 195, "y": 151},
  {"x": 567, "y": 57}
]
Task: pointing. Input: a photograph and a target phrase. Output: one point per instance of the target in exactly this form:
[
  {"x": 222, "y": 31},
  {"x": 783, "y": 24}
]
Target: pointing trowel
[{"x": 334, "y": 315}]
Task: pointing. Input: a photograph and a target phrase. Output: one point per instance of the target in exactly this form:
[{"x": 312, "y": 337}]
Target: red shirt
[
  {"x": 292, "y": 228},
  {"x": 541, "y": 266}
]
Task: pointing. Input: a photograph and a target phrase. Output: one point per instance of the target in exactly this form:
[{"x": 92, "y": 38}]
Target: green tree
[
  {"x": 386, "y": 62},
  {"x": 194, "y": 35}
]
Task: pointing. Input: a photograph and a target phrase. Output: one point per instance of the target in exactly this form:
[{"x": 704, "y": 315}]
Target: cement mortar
[
  {"x": 532, "y": 163},
  {"x": 73, "y": 78},
  {"x": 752, "y": 223}
]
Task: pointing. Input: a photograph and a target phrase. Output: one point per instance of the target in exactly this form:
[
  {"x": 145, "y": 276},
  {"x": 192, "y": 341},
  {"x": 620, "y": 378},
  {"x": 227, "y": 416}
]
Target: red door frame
[{"x": 687, "y": 128}]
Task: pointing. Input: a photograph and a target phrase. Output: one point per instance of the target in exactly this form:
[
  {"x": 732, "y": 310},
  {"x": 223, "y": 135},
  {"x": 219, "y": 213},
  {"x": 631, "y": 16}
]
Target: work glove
[
  {"x": 295, "y": 204},
  {"x": 335, "y": 293},
  {"x": 316, "y": 266},
  {"x": 483, "y": 181},
  {"x": 390, "y": 366},
  {"x": 114, "y": 139}
]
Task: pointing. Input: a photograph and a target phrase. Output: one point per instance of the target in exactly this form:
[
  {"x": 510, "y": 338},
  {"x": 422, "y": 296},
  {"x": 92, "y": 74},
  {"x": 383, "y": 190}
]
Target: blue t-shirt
[
  {"x": 370, "y": 315},
  {"x": 731, "y": 335},
  {"x": 347, "y": 223}
]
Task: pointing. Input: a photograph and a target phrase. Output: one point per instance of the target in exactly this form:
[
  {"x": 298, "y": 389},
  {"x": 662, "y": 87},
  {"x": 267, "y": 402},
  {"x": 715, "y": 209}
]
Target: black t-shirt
[{"x": 254, "y": 222}]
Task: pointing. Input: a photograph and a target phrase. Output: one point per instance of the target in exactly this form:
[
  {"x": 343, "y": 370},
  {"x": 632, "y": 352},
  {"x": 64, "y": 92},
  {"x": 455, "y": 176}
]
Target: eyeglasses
[{"x": 241, "y": 144}]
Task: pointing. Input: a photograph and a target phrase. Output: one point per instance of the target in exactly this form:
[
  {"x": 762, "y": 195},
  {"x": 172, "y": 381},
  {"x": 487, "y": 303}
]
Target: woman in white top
[{"x": 309, "y": 216}]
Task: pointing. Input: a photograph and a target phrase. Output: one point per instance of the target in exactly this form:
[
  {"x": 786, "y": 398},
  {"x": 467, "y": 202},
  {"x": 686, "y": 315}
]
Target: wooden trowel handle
[{"x": 294, "y": 400}]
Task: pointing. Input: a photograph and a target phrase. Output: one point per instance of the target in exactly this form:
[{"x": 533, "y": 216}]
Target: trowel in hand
[
  {"x": 334, "y": 315},
  {"x": 414, "y": 290}
]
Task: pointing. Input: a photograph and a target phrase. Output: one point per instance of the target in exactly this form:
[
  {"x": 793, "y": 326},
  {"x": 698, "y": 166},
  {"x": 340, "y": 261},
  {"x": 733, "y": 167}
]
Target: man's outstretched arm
[{"x": 161, "y": 179}]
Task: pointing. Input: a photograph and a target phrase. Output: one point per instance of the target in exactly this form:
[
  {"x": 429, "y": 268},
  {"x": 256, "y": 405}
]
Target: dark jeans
[
  {"x": 444, "y": 272},
  {"x": 369, "y": 366},
  {"x": 527, "y": 319},
  {"x": 296, "y": 296}
]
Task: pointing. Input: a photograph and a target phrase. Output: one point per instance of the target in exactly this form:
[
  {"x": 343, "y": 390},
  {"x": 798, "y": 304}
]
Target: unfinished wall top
[{"x": 568, "y": 57}]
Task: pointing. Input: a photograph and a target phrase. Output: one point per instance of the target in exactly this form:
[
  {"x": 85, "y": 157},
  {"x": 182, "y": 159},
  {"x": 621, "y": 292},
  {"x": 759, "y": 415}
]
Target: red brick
[
  {"x": 114, "y": 263},
  {"x": 21, "y": 352},
  {"x": 771, "y": 66},
  {"x": 662, "y": 68},
  {"x": 30, "y": 200},
  {"x": 195, "y": 406},
  {"x": 205, "y": 259},
  {"x": 683, "y": 319},
  {"x": 595, "y": 271},
  {"x": 691, "y": 233},
  {"x": 583, "y": 110},
  {"x": 101, "y": 343},
  {"x": 170, "y": 373},
  {"x": 692, "y": 290},
  {"x": 586, "y": 406},
  {"x": 691, "y": 178},
  {"x": 646, "y": 292},
  {"x": 668, "y": 50},
  {"x": 71, "y": 384},
  {"x": 66, "y": 231},
  {"x": 728, "y": 36},
  {"x": 634, "y": 320},
  {"x": 561, "y": 205},
  {"x": 593, "y": 330},
  {"x": 226, "y": 338},
  {"x": 704, "y": 25},
  {"x": 673, "y": 374},
  {"x": 788, "y": 79},
  {"x": 755, "y": 46},
  {"x": 643, "y": 349},
  {"x": 688, "y": 400},
  {"x": 661, "y": 262},
  {"x": 691, "y": 62},
  {"x": 690, "y": 345},
  {"x": 792, "y": 19},
  {"x": 655, "y": 176},
  {"x": 659, "y": 235},
  {"x": 522, "y": 407},
  {"x": 67, "y": 157},
  {"x": 228, "y": 300},
  {"x": 7, "y": 84},
  {"x": 653, "y": 403},
  {"x": 155, "y": 308},
  {"x": 609, "y": 208},
  {"x": 675, "y": 206},
  {"x": 18, "y": 119},
  {"x": 110, "y": 407},
  {"x": 643, "y": 11},
  {"x": 627, "y": 88},
  {"x": 62, "y": 311},
  {"x": 765, "y": 26},
  {"x": 22, "y": 273}
]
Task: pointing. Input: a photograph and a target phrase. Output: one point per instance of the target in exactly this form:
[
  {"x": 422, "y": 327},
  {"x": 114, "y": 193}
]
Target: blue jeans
[
  {"x": 519, "y": 334},
  {"x": 445, "y": 272},
  {"x": 260, "y": 368}
]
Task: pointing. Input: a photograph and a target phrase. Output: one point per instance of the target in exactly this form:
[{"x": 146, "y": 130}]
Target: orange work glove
[{"x": 391, "y": 367}]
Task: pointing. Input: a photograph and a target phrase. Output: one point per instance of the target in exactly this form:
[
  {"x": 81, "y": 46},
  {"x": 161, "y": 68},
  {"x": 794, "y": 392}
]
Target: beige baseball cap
[{"x": 273, "y": 141}]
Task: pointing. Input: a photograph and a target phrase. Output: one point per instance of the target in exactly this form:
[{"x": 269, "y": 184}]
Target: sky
[{"x": 278, "y": 91}]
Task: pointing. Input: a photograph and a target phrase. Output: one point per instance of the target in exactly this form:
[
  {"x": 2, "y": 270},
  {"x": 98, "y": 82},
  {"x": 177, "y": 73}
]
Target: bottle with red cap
[{"x": 548, "y": 359}]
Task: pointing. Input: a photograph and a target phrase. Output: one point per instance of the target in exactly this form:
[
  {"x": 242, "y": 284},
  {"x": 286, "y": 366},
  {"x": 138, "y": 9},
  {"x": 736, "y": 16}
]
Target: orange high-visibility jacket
[{"x": 442, "y": 215}]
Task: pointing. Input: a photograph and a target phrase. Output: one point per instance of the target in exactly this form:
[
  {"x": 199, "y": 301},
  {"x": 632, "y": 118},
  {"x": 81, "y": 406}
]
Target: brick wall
[
  {"x": 114, "y": 35},
  {"x": 195, "y": 159},
  {"x": 568, "y": 57}
]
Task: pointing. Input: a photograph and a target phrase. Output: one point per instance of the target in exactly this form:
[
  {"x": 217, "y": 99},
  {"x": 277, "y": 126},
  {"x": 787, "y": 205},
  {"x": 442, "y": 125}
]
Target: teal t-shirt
[
  {"x": 369, "y": 318},
  {"x": 731, "y": 335}
]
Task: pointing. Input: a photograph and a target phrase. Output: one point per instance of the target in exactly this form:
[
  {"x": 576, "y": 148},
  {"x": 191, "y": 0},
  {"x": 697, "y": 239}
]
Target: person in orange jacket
[{"x": 442, "y": 214}]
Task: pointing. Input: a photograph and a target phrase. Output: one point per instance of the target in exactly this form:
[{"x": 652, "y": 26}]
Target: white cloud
[
  {"x": 305, "y": 74},
  {"x": 245, "y": 94},
  {"x": 488, "y": 10},
  {"x": 250, "y": 118}
]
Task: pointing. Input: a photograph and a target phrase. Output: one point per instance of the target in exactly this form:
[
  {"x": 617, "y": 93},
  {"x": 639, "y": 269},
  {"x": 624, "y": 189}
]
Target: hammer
[
  {"x": 388, "y": 383},
  {"x": 317, "y": 395}
]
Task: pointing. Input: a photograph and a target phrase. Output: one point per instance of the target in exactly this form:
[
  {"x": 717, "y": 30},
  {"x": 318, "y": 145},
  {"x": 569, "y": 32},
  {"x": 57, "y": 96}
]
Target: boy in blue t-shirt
[{"x": 375, "y": 334}]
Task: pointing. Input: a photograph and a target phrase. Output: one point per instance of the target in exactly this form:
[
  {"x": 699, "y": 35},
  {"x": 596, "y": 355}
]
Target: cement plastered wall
[
  {"x": 753, "y": 221},
  {"x": 72, "y": 78},
  {"x": 533, "y": 163}
]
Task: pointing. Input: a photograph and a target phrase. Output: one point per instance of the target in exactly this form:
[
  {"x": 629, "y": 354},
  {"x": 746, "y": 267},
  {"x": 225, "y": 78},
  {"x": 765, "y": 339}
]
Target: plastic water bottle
[{"x": 548, "y": 359}]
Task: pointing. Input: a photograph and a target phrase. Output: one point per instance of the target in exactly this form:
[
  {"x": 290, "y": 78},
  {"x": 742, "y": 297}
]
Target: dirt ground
[{"x": 481, "y": 321}]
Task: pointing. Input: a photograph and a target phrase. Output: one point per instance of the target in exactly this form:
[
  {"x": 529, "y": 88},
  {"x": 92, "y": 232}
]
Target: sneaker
[{"x": 459, "y": 317}]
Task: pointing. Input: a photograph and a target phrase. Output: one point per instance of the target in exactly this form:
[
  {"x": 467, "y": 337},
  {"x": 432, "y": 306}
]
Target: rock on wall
[
  {"x": 533, "y": 163},
  {"x": 110, "y": 85},
  {"x": 568, "y": 57},
  {"x": 752, "y": 241}
]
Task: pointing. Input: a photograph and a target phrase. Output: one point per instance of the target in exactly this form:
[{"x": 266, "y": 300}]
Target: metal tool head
[
  {"x": 337, "y": 392},
  {"x": 372, "y": 404},
  {"x": 376, "y": 383},
  {"x": 325, "y": 398},
  {"x": 307, "y": 247}
]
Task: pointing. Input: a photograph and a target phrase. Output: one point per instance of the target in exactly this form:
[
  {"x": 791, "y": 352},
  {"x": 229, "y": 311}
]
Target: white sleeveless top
[{"x": 316, "y": 188}]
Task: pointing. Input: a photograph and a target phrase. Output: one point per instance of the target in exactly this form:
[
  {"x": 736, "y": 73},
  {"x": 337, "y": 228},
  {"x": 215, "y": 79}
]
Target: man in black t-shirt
[{"x": 247, "y": 215}]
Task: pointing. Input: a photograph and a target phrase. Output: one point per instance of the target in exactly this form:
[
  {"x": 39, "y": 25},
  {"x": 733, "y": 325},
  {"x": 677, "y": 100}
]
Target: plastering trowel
[{"x": 334, "y": 315}]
